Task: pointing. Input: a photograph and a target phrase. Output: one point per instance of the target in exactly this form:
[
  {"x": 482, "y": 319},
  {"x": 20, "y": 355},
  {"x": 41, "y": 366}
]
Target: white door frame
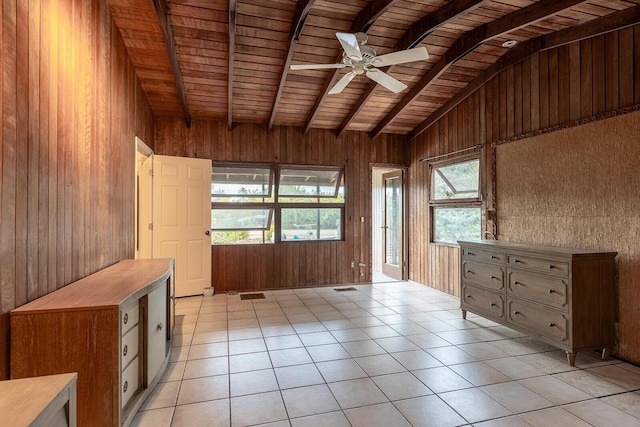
[
  {"x": 143, "y": 201},
  {"x": 377, "y": 222}
]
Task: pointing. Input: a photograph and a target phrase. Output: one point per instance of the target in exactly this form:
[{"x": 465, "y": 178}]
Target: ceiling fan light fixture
[{"x": 509, "y": 43}]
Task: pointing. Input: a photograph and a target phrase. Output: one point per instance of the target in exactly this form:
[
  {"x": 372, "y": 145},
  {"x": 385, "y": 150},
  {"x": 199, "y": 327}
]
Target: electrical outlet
[{"x": 353, "y": 264}]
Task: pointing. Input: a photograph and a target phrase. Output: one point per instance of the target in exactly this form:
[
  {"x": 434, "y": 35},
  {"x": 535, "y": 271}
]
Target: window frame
[
  {"x": 309, "y": 168},
  {"x": 248, "y": 166},
  {"x": 469, "y": 202},
  {"x": 275, "y": 206}
]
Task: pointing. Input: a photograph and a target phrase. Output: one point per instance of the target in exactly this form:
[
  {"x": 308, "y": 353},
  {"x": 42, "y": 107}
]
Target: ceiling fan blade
[
  {"x": 350, "y": 45},
  {"x": 386, "y": 80},
  {"x": 342, "y": 83},
  {"x": 316, "y": 66},
  {"x": 401, "y": 57}
]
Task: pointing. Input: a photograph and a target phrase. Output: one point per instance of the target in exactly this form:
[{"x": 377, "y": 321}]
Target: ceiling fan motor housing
[{"x": 368, "y": 53}]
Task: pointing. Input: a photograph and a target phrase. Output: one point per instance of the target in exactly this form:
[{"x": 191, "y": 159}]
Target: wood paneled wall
[
  {"x": 288, "y": 264},
  {"x": 551, "y": 90},
  {"x": 71, "y": 108}
]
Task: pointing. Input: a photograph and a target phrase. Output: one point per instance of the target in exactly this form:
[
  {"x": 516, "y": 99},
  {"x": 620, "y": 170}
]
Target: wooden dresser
[
  {"x": 48, "y": 401},
  {"x": 563, "y": 296},
  {"x": 113, "y": 328}
]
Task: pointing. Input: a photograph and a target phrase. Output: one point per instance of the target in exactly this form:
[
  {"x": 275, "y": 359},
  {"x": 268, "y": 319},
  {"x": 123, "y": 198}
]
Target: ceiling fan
[{"x": 363, "y": 60}]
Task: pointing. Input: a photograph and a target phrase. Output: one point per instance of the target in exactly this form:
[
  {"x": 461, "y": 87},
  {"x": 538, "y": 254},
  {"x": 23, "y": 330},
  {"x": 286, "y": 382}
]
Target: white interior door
[{"x": 182, "y": 219}]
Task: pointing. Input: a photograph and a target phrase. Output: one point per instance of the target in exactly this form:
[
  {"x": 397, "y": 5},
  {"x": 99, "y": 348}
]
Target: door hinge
[
  {"x": 151, "y": 226},
  {"x": 151, "y": 172}
]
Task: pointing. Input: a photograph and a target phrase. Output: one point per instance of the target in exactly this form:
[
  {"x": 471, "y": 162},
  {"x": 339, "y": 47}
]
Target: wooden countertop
[
  {"x": 24, "y": 401},
  {"x": 106, "y": 288}
]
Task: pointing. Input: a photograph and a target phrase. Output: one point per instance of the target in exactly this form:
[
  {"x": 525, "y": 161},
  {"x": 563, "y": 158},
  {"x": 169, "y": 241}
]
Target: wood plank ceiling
[{"x": 229, "y": 59}]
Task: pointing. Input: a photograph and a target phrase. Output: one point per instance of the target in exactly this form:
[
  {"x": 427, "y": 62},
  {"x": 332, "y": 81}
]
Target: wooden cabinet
[
  {"x": 48, "y": 401},
  {"x": 563, "y": 296},
  {"x": 113, "y": 328}
]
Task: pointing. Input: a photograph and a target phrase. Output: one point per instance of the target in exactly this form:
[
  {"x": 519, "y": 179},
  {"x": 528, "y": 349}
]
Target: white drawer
[
  {"x": 129, "y": 382},
  {"x": 129, "y": 348},
  {"x": 129, "y": 317},
  {"x": 156, "y": 331}
]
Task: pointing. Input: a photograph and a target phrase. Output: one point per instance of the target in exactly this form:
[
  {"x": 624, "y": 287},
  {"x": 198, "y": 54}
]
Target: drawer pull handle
[
  {"x": 494, "y": 257},
  {"x": 551, "y": 266},
  {"x": 516, "y": 260},
  {"x": 551, "y": 291},
  {"x": 516, "y": 283},
  {"x": 551, "y": 324},
  {"x": 493, "y": 304},
  {"x": 493, "y": 277},
  {"x": 470, "y": 253},
  {"x": 469, "y": 296},
  {"x": 516, "y": 312},
  {"x": 125, "y": 350},
  {"x": 125, "y": 387},
  {"x": 126, "y": 318},
  {"x": 160, "y": 326}
]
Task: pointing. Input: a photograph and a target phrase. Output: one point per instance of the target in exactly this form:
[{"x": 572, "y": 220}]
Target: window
[
  {"x": 455, "y": 201},
  {"x": 270, "y": 203}
]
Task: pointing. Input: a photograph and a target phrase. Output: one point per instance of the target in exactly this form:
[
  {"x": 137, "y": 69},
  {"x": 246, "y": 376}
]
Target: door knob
[{"x": 207, "y": 233}]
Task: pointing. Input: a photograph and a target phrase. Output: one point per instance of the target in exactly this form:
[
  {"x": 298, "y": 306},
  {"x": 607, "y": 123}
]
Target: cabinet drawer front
[
  {"x": 156, "y": 331},
  {"x": 482, "y": 301},
  {"x": 130, "y": 381},
  {"x": 129, "y": 317},
  {"x": 560, "y": 268},
  {"x": 129, "y": 348},
  {"x": 481, "y": 274},
  {"x": 484, "y": 255},
  {"x": 547, "y": 323},
  {"x": 546, "y": 289}
]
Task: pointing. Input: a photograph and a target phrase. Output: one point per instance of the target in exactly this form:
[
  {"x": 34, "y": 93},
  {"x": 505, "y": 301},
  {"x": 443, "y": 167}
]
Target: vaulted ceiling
[{"x": 230, "y": 59}]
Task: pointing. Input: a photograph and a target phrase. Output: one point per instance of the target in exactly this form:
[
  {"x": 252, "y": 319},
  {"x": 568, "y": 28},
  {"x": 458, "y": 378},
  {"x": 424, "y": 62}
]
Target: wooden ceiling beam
[
  {"x": 612, "y": 22},
  {"x": 472, "y": 39},
  {"x": 411, "y": 38},
  {"x": 163, "y": 18},
  {"x": 361, "y": 23},
  {"x": 370, "y": 14},
  {"x": 232, "y": 49},
  {"x": 297, "y": 24}
]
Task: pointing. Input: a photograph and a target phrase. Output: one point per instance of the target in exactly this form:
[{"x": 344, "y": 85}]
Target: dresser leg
[
  {"x": 464, "y": 314},
  {"x": 571, "y": 358},
  {"x": 606, "y": 353}
]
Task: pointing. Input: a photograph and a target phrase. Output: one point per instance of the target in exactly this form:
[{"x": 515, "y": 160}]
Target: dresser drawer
[
  {"x": 547, "y": 289},
  {"x": 129, "y": 317},
  {"x": 482, "y": 274},
  {"x": 560, "y": 268},
  {"x": 480, "y": 300},
  {"x": 129, "y": 348},
  {"x": 546, "y": 323},
  {"x": 130, "y": 381},
  {"x": 484, "y": 255}
]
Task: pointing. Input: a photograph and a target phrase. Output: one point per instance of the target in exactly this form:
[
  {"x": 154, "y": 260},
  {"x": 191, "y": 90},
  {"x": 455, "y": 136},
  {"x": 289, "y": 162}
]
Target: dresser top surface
[
  {"x": 23, "y": 400},
  {"x": 109, "y": 287},
  {"x": 501, "y": 245}
]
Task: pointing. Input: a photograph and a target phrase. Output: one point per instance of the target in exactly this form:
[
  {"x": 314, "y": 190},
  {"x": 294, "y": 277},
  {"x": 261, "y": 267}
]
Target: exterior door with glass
[{"x": 393, "y": 224}]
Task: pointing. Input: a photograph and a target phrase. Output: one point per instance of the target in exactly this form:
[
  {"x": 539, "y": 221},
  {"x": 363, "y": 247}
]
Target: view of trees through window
[
  {"x": 455, "y": 201},
  {"x": 307, "y": 204}
]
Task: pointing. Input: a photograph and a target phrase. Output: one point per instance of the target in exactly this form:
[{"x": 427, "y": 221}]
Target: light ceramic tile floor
[{"x": 387, "y": 354}]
